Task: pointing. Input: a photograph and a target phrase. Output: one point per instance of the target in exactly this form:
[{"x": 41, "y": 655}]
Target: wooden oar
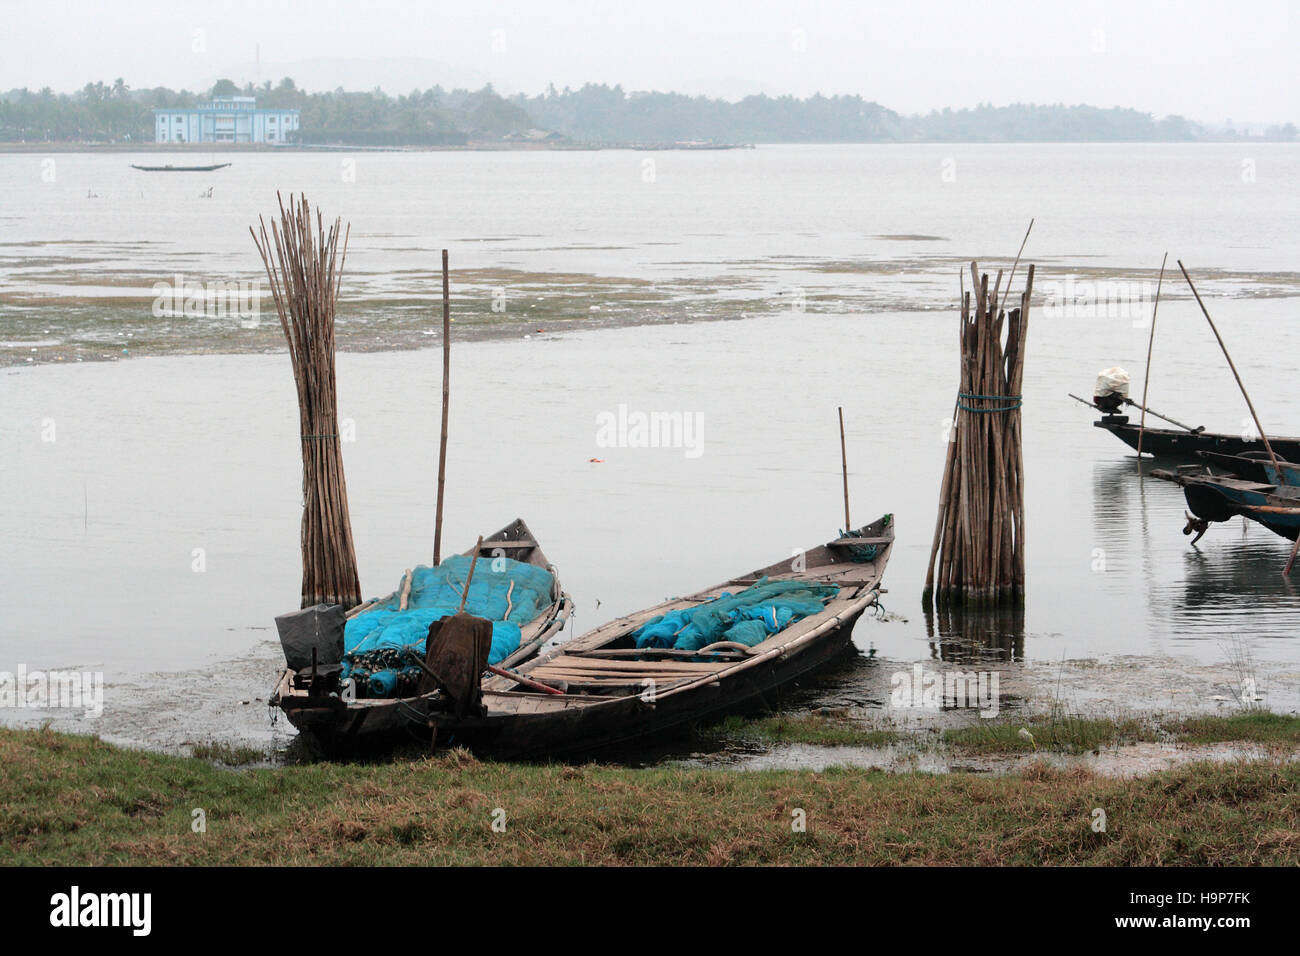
[
  {"x": 1165, "y": 418},
  {"x": 1241, "y": 385},
  {"x": 526, "y": 681}
]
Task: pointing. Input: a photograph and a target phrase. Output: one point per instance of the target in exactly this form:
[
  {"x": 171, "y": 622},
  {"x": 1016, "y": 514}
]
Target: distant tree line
[
  {"x": 596, "y": 113},
  {"x": 116, "y": 113},
  {"x": 599, "y": 113},
  {"x": 607, "y": 114}
]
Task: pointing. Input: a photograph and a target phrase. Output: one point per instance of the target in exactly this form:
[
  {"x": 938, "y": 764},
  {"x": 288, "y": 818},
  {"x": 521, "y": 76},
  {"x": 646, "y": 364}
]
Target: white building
[{"x": 229, "y": 119}]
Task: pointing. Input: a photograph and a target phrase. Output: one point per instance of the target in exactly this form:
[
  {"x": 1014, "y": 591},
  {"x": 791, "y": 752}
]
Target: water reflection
[
  {"x": 1230, "y": 583},
  {"x": 962, "y": 635}
]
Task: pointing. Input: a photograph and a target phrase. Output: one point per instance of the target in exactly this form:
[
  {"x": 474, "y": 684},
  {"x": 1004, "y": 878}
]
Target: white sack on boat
[{"x": 1111, "y": 381}]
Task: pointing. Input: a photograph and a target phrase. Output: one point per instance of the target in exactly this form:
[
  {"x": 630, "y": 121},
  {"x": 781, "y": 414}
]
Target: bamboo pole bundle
[
  {"x": 977, "y": 555},
  {"x": 304, "y": 268}
]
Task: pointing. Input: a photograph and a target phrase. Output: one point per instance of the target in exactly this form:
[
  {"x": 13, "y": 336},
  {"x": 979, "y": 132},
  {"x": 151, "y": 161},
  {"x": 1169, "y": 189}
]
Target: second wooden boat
[
  {"x": 1255, "y": 466},
  {"x": 644, "y": 676},
  {"x": 1213, "y": 498}
]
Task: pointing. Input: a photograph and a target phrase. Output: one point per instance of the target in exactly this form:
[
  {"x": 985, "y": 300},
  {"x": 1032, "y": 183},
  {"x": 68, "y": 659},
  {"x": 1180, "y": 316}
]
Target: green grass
[
  {"x": 823, "y": 730},
  {"x": 1254, "y": 726},
  {"x": 1058, "y": 732},
  {"x": 77, "y": 800},
  {"x": 223, "y": 753}
]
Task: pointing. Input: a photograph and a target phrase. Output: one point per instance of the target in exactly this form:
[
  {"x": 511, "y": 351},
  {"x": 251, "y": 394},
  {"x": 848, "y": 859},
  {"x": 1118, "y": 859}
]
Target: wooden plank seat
[
  {"x": 615, "y": 653},
  {"x": 572, "y": 662}
]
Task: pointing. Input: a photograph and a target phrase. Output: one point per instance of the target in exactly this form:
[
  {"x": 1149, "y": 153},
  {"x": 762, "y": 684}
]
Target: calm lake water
[{"x": 150, "y": 505}]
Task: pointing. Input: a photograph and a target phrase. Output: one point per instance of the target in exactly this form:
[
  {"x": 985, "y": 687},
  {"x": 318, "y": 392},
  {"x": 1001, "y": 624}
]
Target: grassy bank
[
  {"x": 77, "y": 800},
  {"x": 1057, "y": 732}
]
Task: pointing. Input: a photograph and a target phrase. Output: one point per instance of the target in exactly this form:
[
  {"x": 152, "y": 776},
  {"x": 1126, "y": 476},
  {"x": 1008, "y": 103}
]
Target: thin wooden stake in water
[
  {"x": 1294, "y": 548},
  {"x": 446, "y": 396},
  {"x": 1231, "y": 365},
  {"x": 844, "y": 466},
  {"x": 1019, "y": 253},
  {"x": 1151, "y": 341}
]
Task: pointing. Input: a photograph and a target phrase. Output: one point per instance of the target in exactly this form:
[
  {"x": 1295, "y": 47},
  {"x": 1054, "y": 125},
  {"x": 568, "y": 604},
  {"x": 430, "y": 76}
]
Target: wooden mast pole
[
  {"x": 446, "y": 395},
  {"x": 844, "y": 467},
  {"x": 1146, "y": 379}
]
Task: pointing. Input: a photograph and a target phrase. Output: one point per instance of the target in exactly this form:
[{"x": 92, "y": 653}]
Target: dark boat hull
[
  {"x": 609, "y": 726},
  {"x": 632, "y": 721},
  {"x": 1219, "y": 499},
  {"x": 1184, "y": 445}
]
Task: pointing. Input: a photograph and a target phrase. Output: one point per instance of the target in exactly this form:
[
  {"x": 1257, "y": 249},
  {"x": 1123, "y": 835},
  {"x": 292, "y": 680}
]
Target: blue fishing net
[
  {"x": 377, "y": 642},
  {"x": 502, "y": 588},
  {"x": 748, "y": 617}
]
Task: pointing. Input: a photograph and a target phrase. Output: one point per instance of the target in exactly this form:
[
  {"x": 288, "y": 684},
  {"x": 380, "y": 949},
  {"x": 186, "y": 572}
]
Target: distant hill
[
  {"x": 595, "y": 114},
  {"x": 607, "y": 114}
]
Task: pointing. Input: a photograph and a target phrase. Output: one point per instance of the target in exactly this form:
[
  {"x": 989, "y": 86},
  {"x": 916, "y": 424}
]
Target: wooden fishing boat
[
  {"x": 602, "y": 691},
  {"x": 1213, "y": 498},
  {"x": 1185, "y": 444},
  {"x": 180, "y": 169},
  {"x": 324, "y": 710},
  {"x": 1255, "y": 466}
]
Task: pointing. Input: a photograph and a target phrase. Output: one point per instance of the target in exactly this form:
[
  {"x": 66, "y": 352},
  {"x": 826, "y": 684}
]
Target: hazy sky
[{"x": 1208, "y": 61}]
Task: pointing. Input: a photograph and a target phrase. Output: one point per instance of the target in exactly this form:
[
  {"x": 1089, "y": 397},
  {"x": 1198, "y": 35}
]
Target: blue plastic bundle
[
  {"x": 748, "y": 617},
  {"x": 378, "y": 643},
  {"x": 502, "y": 588},
  {"x": 398, "y": 630},
  {"x": 748, "y": 633}
]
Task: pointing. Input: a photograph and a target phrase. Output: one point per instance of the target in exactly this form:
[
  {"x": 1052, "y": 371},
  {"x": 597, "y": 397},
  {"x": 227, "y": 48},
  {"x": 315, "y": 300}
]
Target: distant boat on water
[{"x": 180, "y": 169}]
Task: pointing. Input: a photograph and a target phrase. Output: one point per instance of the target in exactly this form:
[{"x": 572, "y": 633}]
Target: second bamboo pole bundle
[{"x": 978, "y": 552}]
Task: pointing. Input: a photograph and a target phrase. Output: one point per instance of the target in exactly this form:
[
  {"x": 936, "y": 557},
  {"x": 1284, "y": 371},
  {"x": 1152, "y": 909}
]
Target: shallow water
[
  {"x": 150, "y": 506},
  {"x": 599, "y": 238},
  {"x": 158, "y": 531},
  {"x": 1129, "y": 760}
]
